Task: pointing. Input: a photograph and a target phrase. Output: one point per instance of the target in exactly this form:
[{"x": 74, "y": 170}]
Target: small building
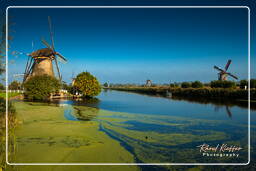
[{"x": 148, "y": 83}]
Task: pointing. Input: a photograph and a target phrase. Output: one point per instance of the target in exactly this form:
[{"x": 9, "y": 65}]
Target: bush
[
  {"x": 87, "y": 84},
  {"x": 2, "y": 87},
  {"x": 105, "y": 84},
  {"x": 174, "y": 85},
  {"x": 222, "y": 84},
  {"x": 243, "y": 83},
  {"x": 41, "y": 87},
  {"x": 15, "y": 85},
  {"x": 253, "y": 83},
  {"x": 197, "y": 84},
  {"x": 185, "y": 85}
]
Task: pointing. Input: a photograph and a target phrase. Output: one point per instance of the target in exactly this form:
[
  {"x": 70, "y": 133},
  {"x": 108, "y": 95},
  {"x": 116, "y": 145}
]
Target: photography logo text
[{"x": 219, "y": 150}]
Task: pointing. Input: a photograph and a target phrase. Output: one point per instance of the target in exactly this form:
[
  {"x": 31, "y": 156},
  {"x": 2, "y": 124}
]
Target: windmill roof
[{"x": 45, "y": 52}]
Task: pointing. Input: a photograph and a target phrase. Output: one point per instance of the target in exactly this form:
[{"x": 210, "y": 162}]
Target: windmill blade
[
  {"x": 228, "y": 112},
  {"x": 217, "y": 68},
  {"x": 51, "y": 33},
  {"x": 235, "y": 77},
  {"x": 27, "y": 64},
  {"x": 28, "y": 73},
  {"x": 45, "y": 43},
  {"x": 58, "y": 70},
  {"x": 227, "y": 65},
  {"x": 62, "y": 58}
]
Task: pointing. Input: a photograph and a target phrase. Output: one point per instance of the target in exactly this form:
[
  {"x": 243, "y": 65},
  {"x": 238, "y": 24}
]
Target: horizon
[{"x": 133, "y": 45}]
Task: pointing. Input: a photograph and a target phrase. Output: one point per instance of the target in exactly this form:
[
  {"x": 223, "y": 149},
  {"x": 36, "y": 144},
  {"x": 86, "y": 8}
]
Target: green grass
[{"x": 11, "y": 94}]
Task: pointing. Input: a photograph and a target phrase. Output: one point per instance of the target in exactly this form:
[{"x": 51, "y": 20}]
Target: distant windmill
[
  {"x": 40, "y": 61},
  {"x": 223, "y": 74}
]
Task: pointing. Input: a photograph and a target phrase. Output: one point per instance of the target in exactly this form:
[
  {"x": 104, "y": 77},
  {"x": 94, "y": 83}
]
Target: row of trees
[
  {"x": 42, "y": 87},
  {"x": 216, "y": 84}
]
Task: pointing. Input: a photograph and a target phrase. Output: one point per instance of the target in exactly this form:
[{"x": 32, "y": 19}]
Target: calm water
[
  {"x": 143, "y": 104},
  {"x": 157, "y": 129}
]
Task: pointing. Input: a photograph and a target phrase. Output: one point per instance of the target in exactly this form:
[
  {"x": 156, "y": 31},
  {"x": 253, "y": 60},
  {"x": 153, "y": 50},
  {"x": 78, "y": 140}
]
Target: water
[{"x": 157, "y": 129}]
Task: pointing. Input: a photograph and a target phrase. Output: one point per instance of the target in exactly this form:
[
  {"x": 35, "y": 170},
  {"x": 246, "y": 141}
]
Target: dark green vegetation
[
  {"x": 185, "y": 85},
  {"x": 10, "y": 94},
  {"x": 15, "y": 85},
  {"x": 2, "y": 87},
  {"x": 87, "y": 84},
  {"x": 41, "y": 87},
  {"x": 12, "y": 123},
  {"x": 197, "y": 84},
  {"x": 244, "y": 83},
  {"x": 210, "y": 93},
  {"x": 222, "y": 84}
]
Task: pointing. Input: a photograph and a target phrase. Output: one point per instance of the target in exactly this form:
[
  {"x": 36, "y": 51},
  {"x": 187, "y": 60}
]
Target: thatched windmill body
[
  {"x": 223, "y": 74},
  {"x": 40, "y": 62}
]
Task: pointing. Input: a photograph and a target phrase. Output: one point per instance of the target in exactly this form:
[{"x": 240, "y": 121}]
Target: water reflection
[{"x": 80, "y": 109}]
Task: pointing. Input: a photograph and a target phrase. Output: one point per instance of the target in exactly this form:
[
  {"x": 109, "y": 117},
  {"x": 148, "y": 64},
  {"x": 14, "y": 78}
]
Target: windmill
[
  {"x": 223, "y": 74},
  {"x": 40, "y": 62}
]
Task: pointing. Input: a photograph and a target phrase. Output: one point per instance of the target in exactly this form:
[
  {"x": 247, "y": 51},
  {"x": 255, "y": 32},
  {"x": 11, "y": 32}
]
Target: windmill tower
[
  {"x": 40, "y": 62},
  {"x": 223, "y": 74}
]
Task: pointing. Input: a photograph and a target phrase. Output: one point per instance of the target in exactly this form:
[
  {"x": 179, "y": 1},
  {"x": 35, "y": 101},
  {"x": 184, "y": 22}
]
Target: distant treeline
[{"x": 243, "y": 84}]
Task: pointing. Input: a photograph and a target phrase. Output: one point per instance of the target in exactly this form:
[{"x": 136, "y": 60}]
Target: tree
[
  {"x": 15, "y": 85},
  {"x": 41, "y": 87},
  {"x": 222, "y": 84},
  {"x": 105, "y": 84},
  {"x": 253, "y": 83},
  {"x": 243, "y": 83},
  {"x": 197, "y": 84},
  {"x": 173, "y": 85},
  {"x": 87, "y": 84},
  {"x": 2, "y": 87},
  {"x": 185, "y": 85}
]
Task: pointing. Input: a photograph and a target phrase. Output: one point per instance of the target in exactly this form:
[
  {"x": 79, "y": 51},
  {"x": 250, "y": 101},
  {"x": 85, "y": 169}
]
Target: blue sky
[{"x": 133, "y": 45}]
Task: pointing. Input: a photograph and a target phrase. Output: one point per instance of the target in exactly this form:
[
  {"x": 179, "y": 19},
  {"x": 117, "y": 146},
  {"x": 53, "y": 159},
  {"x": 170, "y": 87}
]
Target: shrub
[
  {"x": 185, "y": 85},
  {"x": 197, "y": 84},
  {"x": 253, "y": 83},
  {"x": 87, "y": 84},
  {"x": 243, "y": 83},
  {"x": 105, "y": 84},
  {"x": 222, "y": 84},
  {"x": 2, "y": 87},
  {"x": 173, "y": 85},
  {"x": 41, "y": 87}
]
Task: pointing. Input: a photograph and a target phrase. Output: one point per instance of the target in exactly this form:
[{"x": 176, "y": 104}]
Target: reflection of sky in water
[
  {"x": 136, "y": 103},
  {"x": 178, "y": 124}
]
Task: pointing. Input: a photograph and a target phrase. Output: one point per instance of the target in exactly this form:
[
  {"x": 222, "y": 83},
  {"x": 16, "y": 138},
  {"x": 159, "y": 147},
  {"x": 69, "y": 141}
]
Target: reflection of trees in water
[
  {"x": 86, "y": 114},
  {"x": 86, "y": 109},
  {"x": 217, "y": 101}
]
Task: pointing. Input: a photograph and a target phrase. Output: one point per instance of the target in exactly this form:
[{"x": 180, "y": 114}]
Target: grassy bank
[
  {"x": 10, "y": 95},
  {"x": 12, "y": 123},
  {"x": 210, "y": 93}
]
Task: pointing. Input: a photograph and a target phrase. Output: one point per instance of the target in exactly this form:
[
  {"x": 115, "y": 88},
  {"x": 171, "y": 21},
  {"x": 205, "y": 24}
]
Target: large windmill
[
  {"x": 223, "y": 74},
  {"x": 40, "y": 62}
]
